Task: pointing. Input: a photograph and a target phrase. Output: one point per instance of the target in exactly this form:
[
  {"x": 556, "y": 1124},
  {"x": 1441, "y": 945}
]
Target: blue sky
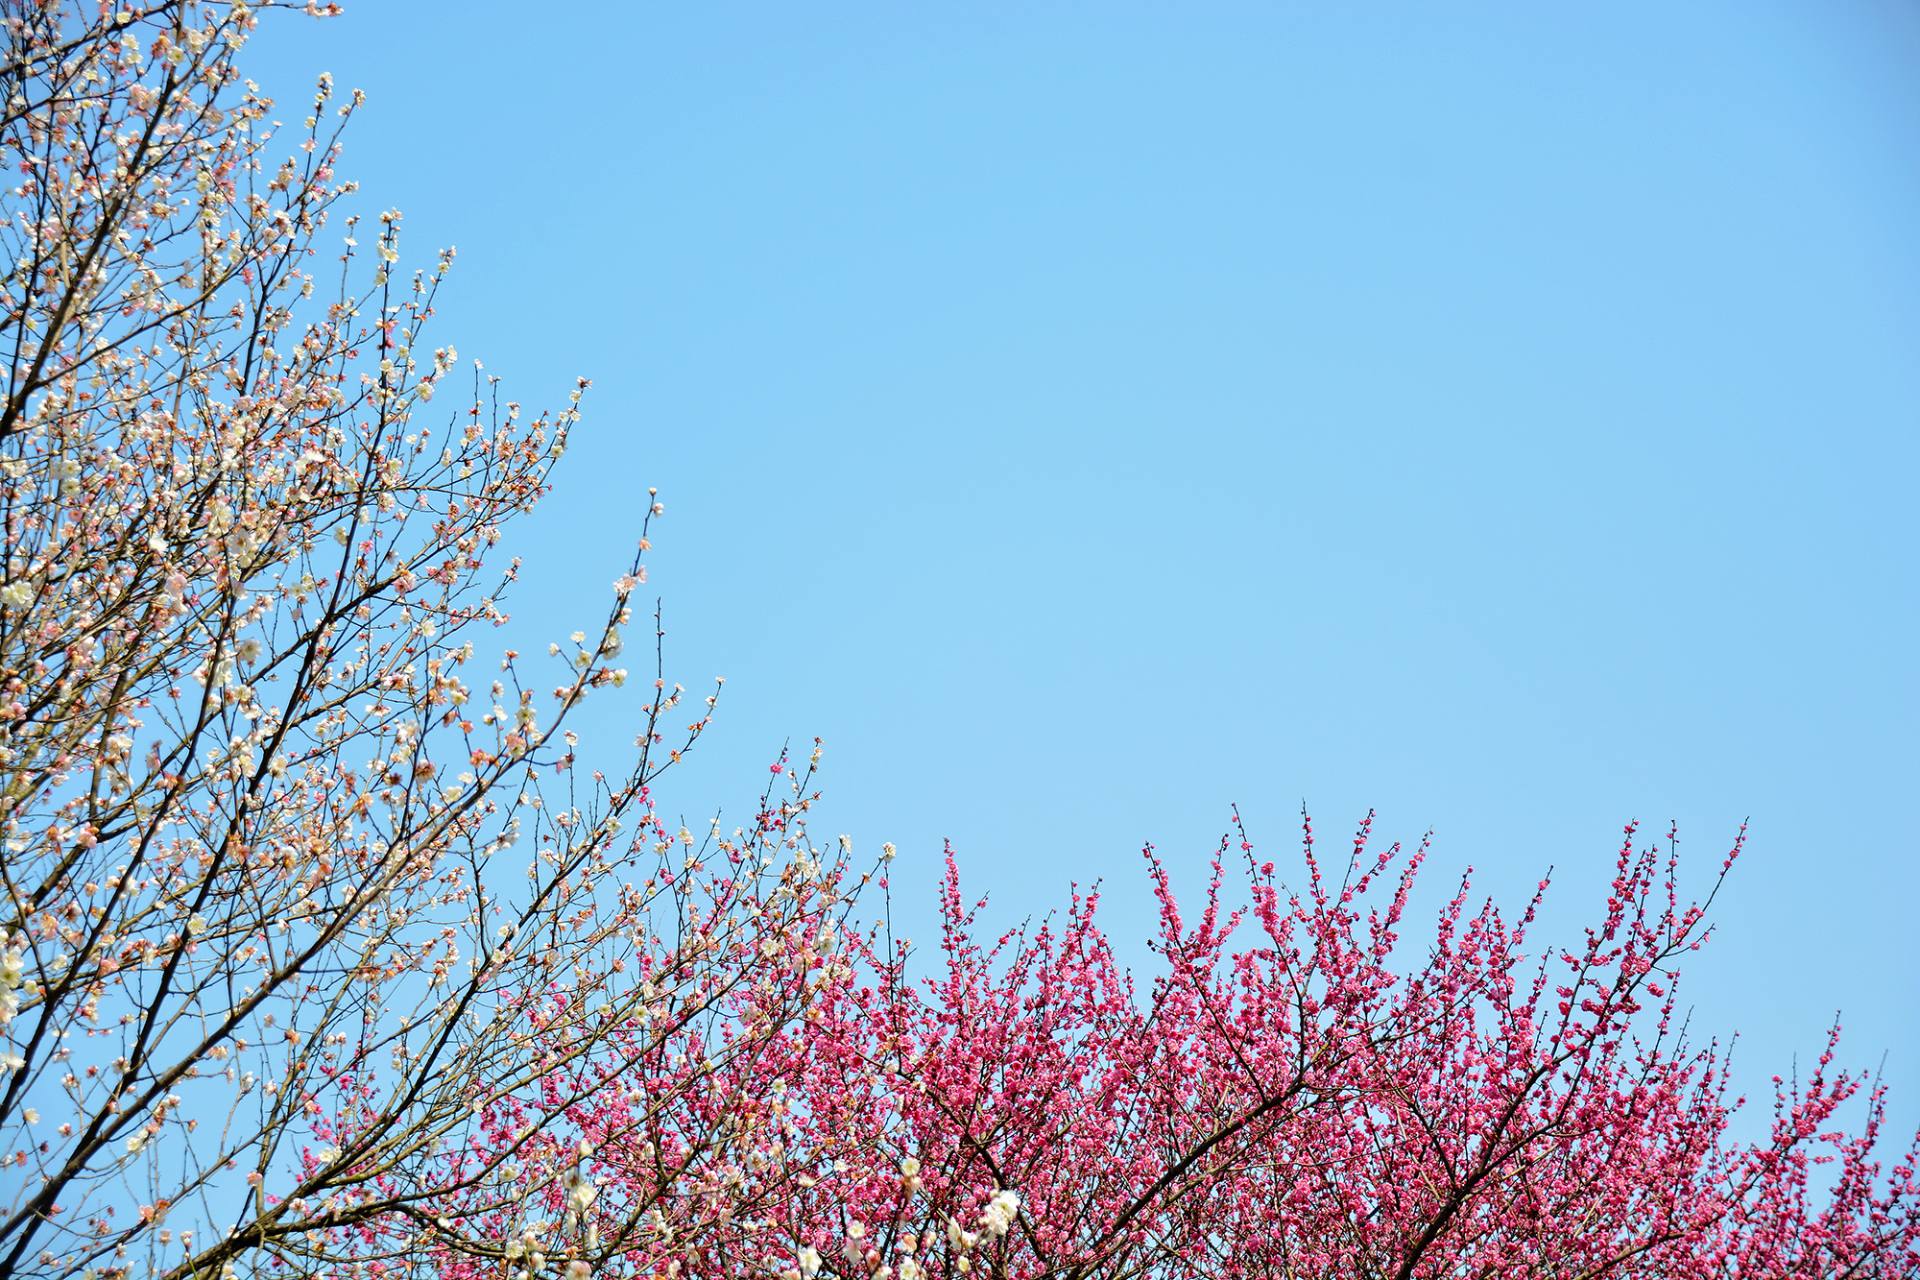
[{"x": 1087, "y": 417}]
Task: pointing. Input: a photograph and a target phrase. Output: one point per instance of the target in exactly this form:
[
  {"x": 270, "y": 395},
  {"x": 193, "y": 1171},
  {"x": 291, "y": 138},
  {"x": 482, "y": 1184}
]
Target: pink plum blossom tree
[{"x": 1291, "y": 1095}]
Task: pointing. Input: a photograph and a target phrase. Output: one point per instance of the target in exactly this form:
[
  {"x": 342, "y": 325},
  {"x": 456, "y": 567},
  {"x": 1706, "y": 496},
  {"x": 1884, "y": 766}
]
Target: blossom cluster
[{"x": 1288, "y": 1095}]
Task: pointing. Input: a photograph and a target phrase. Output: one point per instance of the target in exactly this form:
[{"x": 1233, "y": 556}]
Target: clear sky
[{"x": 1086, "y": 417}]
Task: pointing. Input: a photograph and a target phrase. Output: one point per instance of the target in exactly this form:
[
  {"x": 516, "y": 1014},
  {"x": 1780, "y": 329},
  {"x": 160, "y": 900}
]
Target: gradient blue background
[{"x": 1084, "y": 417}]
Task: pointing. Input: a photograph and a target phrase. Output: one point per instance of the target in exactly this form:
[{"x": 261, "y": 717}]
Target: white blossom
[{"x": 1000, "y": 1213}]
